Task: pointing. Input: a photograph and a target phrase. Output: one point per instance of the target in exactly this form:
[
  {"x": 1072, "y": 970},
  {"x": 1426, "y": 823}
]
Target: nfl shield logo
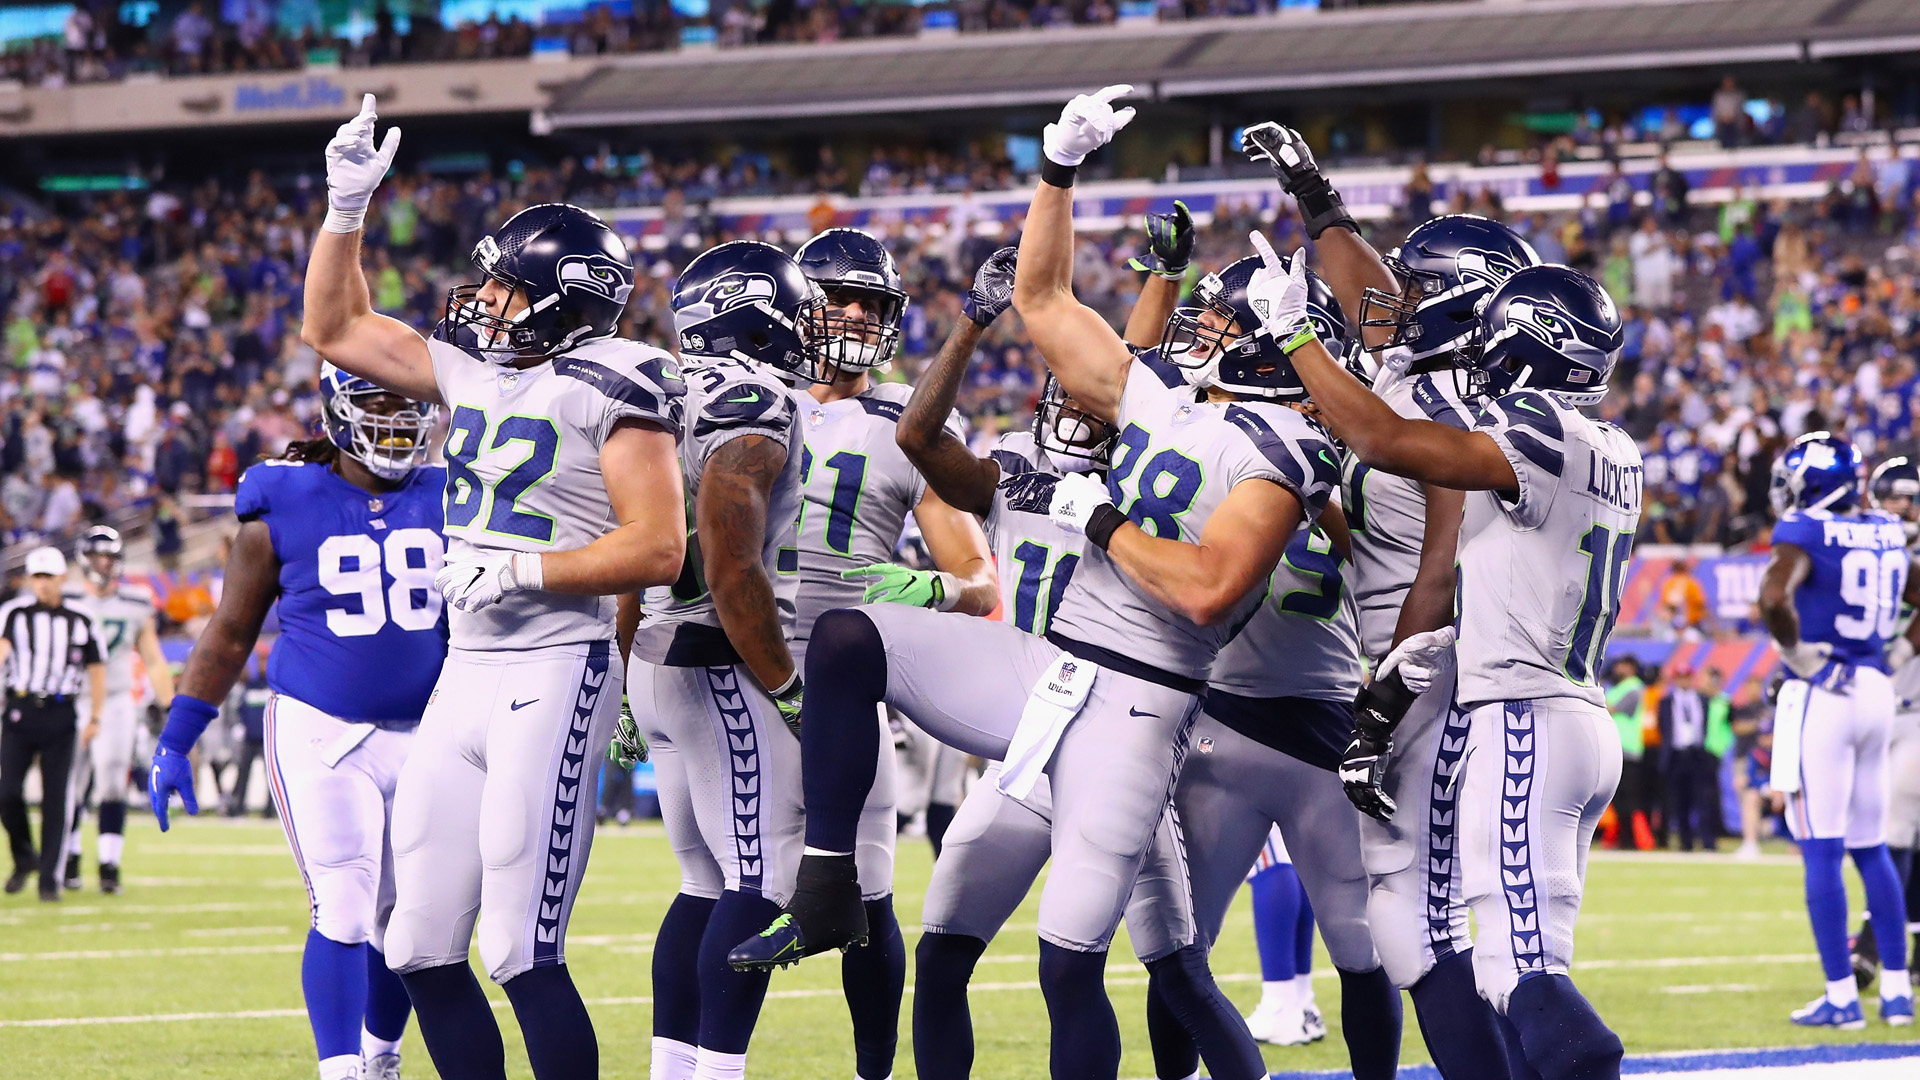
[
  {"x": 374, "y": 506},
  {"x": 1066, "y": 671}
]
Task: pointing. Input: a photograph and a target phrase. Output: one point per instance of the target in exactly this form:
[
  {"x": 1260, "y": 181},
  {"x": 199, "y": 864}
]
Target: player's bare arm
[
  {"x": 730, "y": 512},
  {"x": 1786, "y": 569},
  {"x": 1429, "y": 601},
  {"x": 1333, "y": 522},
  {"x": 642, "y": 469},
  {"x": 1089, "y": 359},
  {"x": 339, "y": 321},
  {"x": 1238, "y": 548},
  {"x": 959, "y": 547},
  {"x": 626, "y": 621},
  {"x": 97, "y": 688},
  {"x": 963, "y": 479},
  {"x": 252, "y": 584},
  {"x": 157, "y": 670}
]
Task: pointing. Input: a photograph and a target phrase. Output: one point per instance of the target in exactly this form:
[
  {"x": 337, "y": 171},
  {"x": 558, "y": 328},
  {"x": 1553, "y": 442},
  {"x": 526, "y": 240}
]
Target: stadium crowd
[{"x": 152, "y": 344}]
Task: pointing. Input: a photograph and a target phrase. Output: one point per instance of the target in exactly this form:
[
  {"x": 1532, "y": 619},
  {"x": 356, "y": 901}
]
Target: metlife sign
[{"x": 290, "y": 95}]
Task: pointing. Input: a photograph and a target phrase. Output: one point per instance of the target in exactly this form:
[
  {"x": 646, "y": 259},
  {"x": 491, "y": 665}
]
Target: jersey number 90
[
  {"x": 1872, "y": 581},
  {"x": 350, "y": 566}
]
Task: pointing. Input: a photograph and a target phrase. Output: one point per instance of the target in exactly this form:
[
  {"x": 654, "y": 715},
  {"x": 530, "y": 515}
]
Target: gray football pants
[
  {"x": 728, "y": 771},
  {"x": 1412, "y": 862},
  {"x": 1110, "y": 775},
  {"x": 997, "y": 846},
  {"x": 1230, "y": 795}
]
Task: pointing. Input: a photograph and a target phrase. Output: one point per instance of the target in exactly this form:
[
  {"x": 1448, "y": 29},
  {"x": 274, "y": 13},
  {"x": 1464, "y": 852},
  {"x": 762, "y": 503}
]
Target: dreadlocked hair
[{"x": 317, "y": 451}]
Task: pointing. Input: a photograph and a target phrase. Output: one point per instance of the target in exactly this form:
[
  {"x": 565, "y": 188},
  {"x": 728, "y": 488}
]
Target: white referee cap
[{"x": 46, "y": 560}]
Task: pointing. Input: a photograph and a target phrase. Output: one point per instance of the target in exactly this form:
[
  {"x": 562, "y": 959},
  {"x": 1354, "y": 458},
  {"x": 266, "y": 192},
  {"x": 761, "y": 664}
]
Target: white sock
[
  {"x": 111, "y": 845},
  {"x": 672, "y": 1060},
  {"x": 1895, "y": 984},
  {"x": 1194, "y": 1075},
  {"x": 73, "y": 843},
  {"x": 711, "y": 1065},
  {"x": 340, "y": 1067},
  {"x": 1843, "y": 992},
  {"x": 1277, "y": 995},
  {"x": 372, "y": 1046},
  {"x": 821, "y": 851},
  {"x": 1303, "y": 991},
  {"x": 857, "y": 1076}
]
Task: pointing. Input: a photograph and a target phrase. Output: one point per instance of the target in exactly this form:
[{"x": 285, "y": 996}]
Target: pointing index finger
[
  {"x": 1264, "y": 249},
  {"x": 1108, "y": 93},
  {"x": 366, "y": 108}
]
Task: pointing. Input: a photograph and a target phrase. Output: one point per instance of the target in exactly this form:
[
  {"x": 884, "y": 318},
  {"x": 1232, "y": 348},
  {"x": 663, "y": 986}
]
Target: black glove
[
  {"x": 992, "y": 291},
  {"x": 1030, "y": 492},
  {"x": 1363, "y": 773},
  {"x": 1169, "y": 243},
  {"x": 1291, "y": 160},
  {"x": 1379, "y": 706}
]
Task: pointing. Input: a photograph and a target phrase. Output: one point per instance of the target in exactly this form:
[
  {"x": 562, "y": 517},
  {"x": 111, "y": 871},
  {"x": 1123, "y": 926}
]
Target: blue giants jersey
[
  {"x": 1851, "y": 597},
  {"x": 361, "y": 634}
]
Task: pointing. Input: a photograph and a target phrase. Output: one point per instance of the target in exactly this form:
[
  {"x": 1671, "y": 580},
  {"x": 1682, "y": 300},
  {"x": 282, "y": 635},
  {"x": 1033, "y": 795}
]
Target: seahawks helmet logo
[
  {"x": 1552, "y": 326},
  {"x": 1480, "y": 266},
  {"x": 730, "y": 291},
  {"x": 595, "y": 274}
]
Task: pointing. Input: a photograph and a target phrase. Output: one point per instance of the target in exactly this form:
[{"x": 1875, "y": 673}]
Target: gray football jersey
[
  {"x": 1387, "y": 515},
  {"x": 121, "y": 615},
  {"x": 523, "y": 471},
  {"x": 1173, "y": 464},
  {"x": 1540, "y": 578},
  {"x": 1035, "y": 557},
  {"x": 726, "y": 400},
  {"x": 1303, "y": 641},
  {"x": 857, "y": 489}
]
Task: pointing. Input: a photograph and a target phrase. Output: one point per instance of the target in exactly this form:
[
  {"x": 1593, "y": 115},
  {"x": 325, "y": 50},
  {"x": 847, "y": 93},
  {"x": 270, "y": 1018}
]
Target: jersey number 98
[{"x": 350, "y": 566}]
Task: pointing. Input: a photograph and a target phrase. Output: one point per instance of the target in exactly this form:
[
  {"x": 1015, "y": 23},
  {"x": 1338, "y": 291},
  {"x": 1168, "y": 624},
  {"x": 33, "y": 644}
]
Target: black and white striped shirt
[{"x": 52, "y": 647}]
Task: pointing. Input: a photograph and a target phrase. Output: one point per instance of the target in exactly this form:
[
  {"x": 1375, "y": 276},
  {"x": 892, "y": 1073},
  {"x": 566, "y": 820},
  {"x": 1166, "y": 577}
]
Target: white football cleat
[
  {"x": 1316, "y": 1024},
  {"x": 381, "y": 1067},
  {"x": 1279, "y": 1026}
]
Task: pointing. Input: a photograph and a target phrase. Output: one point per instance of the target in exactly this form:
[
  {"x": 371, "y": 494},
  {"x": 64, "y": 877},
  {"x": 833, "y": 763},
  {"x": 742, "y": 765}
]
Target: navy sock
[
  {"x": 676, "y": 969},
  {"x": 1827, "y": 905},
  {"x": 560, "y": 1041},
  {"x": 1457, "y": 1022},
  {"x": 839, "y": 741},
  {"x": 333, "y": 977},
  {"x": 873, "y": 977},
  {"x": 942, "y": 1023},
  {"x": 456, "y": 1023},
  {"x": 1184, "y": 984},
  {"x": 1885, "y": 901},
  {"x": 387, "y": 1001},
  {"x": 1517, "y": 1065},
  {"x": 730, "y": 1000},
  {"x": 113, "y": 818},
  {"x": 1277, "y": 897},
  {"x": 1175, "y": 1055},
  {"x": 1370, "y": 1019},
  {"x": 1563, "y": 1037},
  {"x": 1086, "y": 1034},
  {"x": 1903, "y": 861}
]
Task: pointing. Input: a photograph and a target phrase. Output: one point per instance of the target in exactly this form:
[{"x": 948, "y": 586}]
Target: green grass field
[{"x": 194, "y": 971}]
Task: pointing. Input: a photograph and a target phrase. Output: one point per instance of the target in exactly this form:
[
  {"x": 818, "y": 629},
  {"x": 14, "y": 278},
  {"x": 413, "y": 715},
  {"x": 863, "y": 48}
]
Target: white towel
[
  {"x": 1789, "y": 719},
  {"x": 343, "y": 744},
  {"x": 1052, "y": 704}
]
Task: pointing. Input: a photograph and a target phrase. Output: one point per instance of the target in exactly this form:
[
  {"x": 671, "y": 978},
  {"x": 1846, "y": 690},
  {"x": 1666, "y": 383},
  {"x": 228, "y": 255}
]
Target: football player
[
  {"x": 1547, "y": 485},
  {"x": 563, "y": 491},
  {"x": 1830, "y": 597},
  {"x": 1102, "y": 705},
  {"x": 1895, "y": 489},
  {"x": 1288, "y": 1014},
  {"x": 858, "y": 490},
  {"x": 712, "y": 680},
  {"x": 124, "y": 611},
  {"x": 344, "y": 532}
]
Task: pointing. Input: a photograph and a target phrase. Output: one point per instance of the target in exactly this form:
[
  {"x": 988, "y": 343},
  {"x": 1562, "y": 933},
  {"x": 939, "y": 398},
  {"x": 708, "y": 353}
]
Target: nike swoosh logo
[
  {"x": 748, "y": 400},
  {"x": 1136, "y": 712},
  {"x": 1522, "y": 404},
  {"x": 518, "y": 705},
  {"x": 1328, "y": 458}
]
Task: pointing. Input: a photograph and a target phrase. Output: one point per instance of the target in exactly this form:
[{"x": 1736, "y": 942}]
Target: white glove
[
  {"x": 1278, "y": 292},
  {"x": 475, "y": 583},
  {"x": 1075, "y": 498},
  {"x": 1806, "y": 658},
  {"x": 1088, "y": 123},
  {"x": 355, "y": 168},
  {"x": 1418, "y": 658},
  {"x": 1899, "y": 653}
]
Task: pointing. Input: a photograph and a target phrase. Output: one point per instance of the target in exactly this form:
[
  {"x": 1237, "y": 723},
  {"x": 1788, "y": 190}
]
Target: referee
[{"x": 44, "y": 646}]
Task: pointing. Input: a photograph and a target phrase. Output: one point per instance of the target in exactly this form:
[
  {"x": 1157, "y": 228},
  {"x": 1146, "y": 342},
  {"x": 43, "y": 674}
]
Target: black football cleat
[
  {"x": 110, "y": 878},
  {"x": 826, "y": 912},
  {"x": 17, "y": 881},
  {"x": 1865, "y": 955},
  {"x": 72, "y": 876}
]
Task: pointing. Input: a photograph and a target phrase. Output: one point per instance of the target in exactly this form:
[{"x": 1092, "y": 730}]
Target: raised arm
[
  {"x": 1089, "y": 359},
  {"x": 730, "y": 512},
  {"x": 962, "y": 479},
  {"x": 339, "y": 320},
  {"x": 1169, "y": 253}
]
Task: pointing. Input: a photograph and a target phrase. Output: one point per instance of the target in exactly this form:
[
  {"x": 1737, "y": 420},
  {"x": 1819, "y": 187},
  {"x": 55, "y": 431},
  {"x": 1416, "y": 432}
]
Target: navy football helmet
[
  {"x": 1547, "y": 328},
  {"x": 101, "y": 555},
  {"x": 1064, "y": 431},
  {"x": 851, "y": 267},
  {"x": 388, "y": 437},
  {"x": 745, "y": 300},
  {"x": 1446, "y": 267},
  {"x": 1895, "y": 488},
  {"x": 1216, "y": 342},
  {"x": 574, "y": 272},
  {"x": 1819, "y": 471}
]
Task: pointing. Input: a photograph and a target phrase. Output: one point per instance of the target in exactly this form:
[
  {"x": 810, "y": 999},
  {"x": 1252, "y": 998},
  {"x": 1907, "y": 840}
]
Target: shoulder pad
[
  {"x": 1170, "y": 376},
  {"x": 137, "y": 593},
  {"x": 1439, "y": 405},
  {"x": 882, "y": 408},
  {"x": 1303, "y": 455},
  {"x": 747, "y": 398},
  {"x": 648, "y": 380},
  {"x": 254, "y": 495}
]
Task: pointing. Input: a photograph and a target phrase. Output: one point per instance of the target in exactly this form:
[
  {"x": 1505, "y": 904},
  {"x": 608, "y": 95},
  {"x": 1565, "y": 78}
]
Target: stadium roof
[{"x": 1289, "y": 50}]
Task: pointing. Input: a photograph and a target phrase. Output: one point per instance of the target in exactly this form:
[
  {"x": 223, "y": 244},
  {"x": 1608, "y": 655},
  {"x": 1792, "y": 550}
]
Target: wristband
[
  {"x": 946, "y": 591},
  {"x": 187, "y": 719},
  {"x": 343, "y": 221},
  {"x": 1300, "y": 337},
  {"x": 1056, "y": 174},
  {"x": 1321, "y": 207},
  {"x": 528, "y": 571},
  {"x": 787, "y": 689},
  {"x": 1100, "y": 524},
  {"x": 1380, "y": 705}
]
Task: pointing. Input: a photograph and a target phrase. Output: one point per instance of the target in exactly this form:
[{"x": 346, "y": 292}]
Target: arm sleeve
[{"x": 1530, "y": 431}]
